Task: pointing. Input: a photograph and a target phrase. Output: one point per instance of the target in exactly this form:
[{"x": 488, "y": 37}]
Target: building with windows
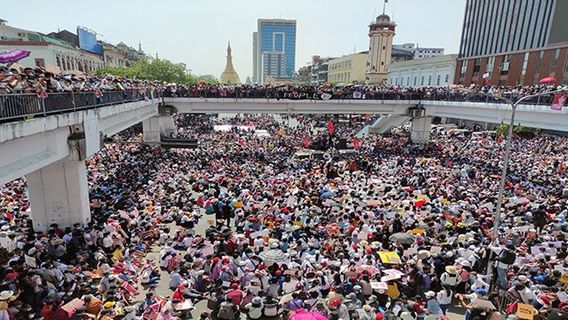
[
  {"x": 513, "y": 42},
  {"x": 419, "y": 53},
  {"x": 44, "y": 54},
  {"x": 13, "y": 34},
  {"x": 62, "y": 49},
  {"x": 348, "y": 69},
  {"x": 315, "y": 73},
  {"x": 426, "y": 72},
  {"x": 274, "y": 49}
]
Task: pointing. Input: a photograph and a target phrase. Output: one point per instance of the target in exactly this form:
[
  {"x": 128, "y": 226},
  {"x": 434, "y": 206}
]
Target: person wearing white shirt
[{"x": 444, "y": 297}]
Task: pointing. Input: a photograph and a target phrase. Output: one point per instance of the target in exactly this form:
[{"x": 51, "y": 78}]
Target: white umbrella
[{"x": 272, "y": 256}]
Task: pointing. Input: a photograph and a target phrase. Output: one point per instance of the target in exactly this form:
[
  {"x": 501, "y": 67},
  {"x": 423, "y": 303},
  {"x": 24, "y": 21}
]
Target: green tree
[
  {"x": 524, "y": 132},
  {"x": 154, "y": 69}
]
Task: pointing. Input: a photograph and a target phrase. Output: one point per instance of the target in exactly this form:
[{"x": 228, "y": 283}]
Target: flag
[
  {"x": 306, "y": 142},
  {"x": 559, "y": 101},
  {"x": 356, "y": 143},
  {"x": 242, "y": 142},
  {"x": 330, "y": 126}
]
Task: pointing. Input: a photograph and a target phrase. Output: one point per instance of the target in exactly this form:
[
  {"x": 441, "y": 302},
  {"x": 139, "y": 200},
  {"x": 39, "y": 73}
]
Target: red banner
[
  {"x": 330, "y": 126},
  {"x": 306, "y": 142},
  {"x": 559, "y": 101}
]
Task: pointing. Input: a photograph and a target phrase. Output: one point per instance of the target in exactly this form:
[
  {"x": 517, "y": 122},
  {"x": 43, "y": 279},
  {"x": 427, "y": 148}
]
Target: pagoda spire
[{"x": 229, "y": 75}]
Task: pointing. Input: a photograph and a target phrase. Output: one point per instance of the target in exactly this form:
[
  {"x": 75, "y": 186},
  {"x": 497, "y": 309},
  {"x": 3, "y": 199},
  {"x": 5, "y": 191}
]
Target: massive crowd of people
[
  {"x": 389, "y": 230},
  {"x": 367, "y": 92},
  {"x": 42, "y": 82}
]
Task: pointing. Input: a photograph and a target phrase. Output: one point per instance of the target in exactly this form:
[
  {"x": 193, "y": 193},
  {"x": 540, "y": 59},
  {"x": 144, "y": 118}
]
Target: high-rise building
[
  {"x": 381, "y": 34},
  {"x": 229, "y": 75},
  {"x": 513, "y": 42},
  {"x": 274, "y": 46}
]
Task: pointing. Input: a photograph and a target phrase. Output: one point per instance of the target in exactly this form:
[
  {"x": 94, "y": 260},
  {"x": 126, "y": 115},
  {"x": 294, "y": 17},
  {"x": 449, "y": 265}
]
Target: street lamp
[{"x": 514, "y": 105}]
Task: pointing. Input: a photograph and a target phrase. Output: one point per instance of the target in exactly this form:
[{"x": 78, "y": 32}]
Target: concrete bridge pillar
[
  {"x": 420, "y": 131},
  {"x": 156, "y": 127},
  {"x": 161, "y": 125},
  {"x": 59, "y": 193}
]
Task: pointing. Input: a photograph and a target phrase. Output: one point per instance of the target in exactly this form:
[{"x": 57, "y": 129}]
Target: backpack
[
  {"x": 390, "y": 315},
  {"x": 507, "y": 257},
  {"x": 226, "y": 312}
]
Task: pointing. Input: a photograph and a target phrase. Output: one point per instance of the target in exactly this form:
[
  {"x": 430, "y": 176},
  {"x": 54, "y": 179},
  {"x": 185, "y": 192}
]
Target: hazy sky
[{"x": 196, "y": 32}]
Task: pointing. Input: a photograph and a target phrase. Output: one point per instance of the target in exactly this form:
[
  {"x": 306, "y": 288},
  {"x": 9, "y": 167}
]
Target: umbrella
[
  {"x": 13, "y": 55},
  {"x": 272, "y": 256},
  {"x": 302, "y": 314},
  {"x": 402, "y": 238},
  {"x": 423, "y": 254},
  {"x": 328, "y": 194},
  {"x": 417, "y": 231},
  {"x": 547, "y": 79}
]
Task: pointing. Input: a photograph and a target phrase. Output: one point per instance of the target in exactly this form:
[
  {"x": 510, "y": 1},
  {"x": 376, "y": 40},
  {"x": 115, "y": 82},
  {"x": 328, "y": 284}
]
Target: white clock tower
[{"x": 381, "y": 34}]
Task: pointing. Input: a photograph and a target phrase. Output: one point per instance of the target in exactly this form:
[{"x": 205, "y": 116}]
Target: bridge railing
[
  {"x": 380, "y": 96},
  {"x": 20, "y": 106}
]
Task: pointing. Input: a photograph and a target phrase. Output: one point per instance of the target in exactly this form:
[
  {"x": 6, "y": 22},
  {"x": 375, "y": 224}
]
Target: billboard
[{"x": 88, "y": 41}]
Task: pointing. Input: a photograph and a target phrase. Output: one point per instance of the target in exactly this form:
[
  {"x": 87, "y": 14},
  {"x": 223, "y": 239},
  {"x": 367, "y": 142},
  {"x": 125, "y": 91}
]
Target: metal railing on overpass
[
  {"x": 379, "y": 96},
  {"x": 15, "y": 107}
]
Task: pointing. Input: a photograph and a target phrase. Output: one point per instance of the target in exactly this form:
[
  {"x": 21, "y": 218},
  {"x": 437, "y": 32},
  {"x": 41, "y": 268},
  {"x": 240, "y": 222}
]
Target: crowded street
[{"x": 264, "y": 227}]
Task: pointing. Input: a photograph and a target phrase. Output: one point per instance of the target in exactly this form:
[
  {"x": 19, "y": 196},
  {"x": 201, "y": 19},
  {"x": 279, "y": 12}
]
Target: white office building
[
  {"x": 430, "y": 72},
  {"x": 420, "y": 53}
]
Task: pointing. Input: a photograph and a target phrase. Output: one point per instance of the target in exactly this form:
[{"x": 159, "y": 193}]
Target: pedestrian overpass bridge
[{"x": 50, "y": 149}]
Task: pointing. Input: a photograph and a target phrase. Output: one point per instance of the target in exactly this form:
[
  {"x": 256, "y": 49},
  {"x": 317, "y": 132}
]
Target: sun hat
[
  {"x": 451, "y": 269},
  {"x": 7, "y": 294}
]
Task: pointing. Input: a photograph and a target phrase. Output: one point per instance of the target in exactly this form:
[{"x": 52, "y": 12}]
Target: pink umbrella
[
  {"x": 302, "y": 314},
  {"x": 13, "y": 55},
  {"x": 547, "y": 80}
]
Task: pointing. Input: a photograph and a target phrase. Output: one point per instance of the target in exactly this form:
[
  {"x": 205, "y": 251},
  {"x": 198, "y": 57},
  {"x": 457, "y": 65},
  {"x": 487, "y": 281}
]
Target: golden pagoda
[{"x": 229, "y": 75}]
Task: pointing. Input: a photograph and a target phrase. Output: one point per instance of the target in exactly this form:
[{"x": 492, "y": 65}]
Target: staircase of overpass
[{"x": 48, "y": 139}]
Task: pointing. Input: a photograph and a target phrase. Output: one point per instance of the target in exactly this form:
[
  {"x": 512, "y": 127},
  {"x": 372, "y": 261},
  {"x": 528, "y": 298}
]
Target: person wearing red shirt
[
  {"x": 418, "y": 307},
  {"x": 235, "y": 295}
]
